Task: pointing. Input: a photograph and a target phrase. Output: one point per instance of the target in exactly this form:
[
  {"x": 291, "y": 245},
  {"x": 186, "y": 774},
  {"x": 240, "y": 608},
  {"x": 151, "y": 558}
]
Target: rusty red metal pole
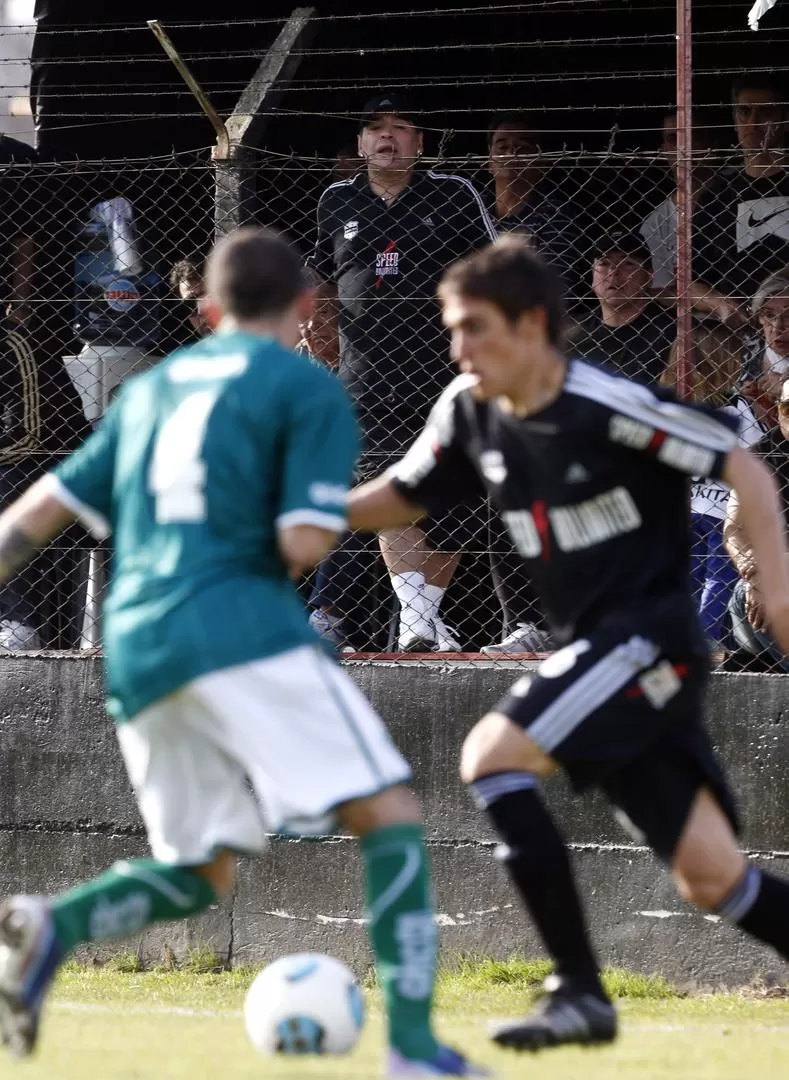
[{"x": 684, "y": 196}]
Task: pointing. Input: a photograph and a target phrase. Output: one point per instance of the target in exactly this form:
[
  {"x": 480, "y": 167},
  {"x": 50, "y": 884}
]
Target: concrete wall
[{"x": 66, "y": 812}]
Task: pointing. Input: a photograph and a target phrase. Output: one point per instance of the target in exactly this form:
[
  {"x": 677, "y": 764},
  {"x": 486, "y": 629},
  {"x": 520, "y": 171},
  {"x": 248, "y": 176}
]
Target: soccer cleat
[
  {"x": 563, "y": 1016},
  {"x": 29, "y": 957},
  {"x": 525, "y": 638},
  {"x": 446, "y": 1062}
]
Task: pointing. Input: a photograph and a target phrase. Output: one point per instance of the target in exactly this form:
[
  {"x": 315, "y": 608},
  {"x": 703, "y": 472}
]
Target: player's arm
[
  {"x": 29, "y": 524},
  {"x": 377, "y": 505},
  {"x": 434, "y": 474},
  {"x": 80, "y": 488},
  {"x": 756, "y": 537}
]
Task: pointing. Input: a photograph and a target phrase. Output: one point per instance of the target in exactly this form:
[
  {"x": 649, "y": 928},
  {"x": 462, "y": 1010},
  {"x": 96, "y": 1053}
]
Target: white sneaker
[
  {"x": 417, "y": 634},
  {"x": 447, "y": 642},
  {"x": 18, "y": 636},
  {"x": 525, "y": 638}
]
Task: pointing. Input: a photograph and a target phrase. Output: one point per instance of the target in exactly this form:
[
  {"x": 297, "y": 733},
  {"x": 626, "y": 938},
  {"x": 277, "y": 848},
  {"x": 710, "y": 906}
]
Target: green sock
[
  {"x": 127, "y": 898},
  {"x": 403, "y": 933}
]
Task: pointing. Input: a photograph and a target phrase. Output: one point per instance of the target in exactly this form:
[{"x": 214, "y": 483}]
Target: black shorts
[{"x": 618, "y": 712}]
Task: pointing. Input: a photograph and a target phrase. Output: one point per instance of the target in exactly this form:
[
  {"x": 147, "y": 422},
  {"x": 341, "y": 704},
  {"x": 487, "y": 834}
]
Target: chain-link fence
[
  {"x": 101, "y": 275},
  {"x": 86, "y": 255}
]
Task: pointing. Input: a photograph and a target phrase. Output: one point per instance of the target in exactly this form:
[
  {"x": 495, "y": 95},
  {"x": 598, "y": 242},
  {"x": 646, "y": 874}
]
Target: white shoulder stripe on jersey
[
  {"x": 337, "y": 184},
  {"x": 96, "y": 524},
  {"x": 486, "y": 218},
  {"x": 420, "y": 459},
  {"x": 320, "y": 518},
  {"x": 641, "y": 404}
]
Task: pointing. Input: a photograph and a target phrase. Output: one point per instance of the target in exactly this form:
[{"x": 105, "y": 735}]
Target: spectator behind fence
[
  {"x": 524, "y": 202},
  {"x": 384, "y": 239},
  {"x": 186, "y": 281},
  {"x": 659, "y": 228},
  {"x": 40, "y": 419},
  {"x": 346, "y": 163},
  {"x": 40, "y": 412},
  {"x": 715, "y": 373},
  {"x": 632, "y": 333},
  {"x": 746, "y": 606},
  {"x": 770, "y": 308},
  {"x": 744, "y": 230}
]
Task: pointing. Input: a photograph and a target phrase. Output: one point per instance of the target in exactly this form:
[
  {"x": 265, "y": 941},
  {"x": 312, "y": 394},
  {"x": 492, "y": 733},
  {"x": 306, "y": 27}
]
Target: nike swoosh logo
[{"x": 754, "y": 222}]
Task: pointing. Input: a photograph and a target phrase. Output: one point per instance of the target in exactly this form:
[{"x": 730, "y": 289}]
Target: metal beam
[
  {"x": 236, "y": 173},
  {"x": 222, "y": 139},
  {"x": 275, "y": 70}
]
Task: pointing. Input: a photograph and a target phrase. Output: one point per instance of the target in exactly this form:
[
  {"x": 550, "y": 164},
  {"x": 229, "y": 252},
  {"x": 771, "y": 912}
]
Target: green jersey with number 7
[{"x": 194, "y": 466}]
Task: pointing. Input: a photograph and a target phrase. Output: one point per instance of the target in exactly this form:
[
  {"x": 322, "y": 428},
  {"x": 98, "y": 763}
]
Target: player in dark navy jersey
[{"x": 589, "y": 472}]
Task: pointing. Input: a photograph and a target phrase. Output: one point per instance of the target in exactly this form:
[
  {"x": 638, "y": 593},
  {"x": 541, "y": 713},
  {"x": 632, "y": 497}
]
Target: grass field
[{"x": 117, "y": 1024}]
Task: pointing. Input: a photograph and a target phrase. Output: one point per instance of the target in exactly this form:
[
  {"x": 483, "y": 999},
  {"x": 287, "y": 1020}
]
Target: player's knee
[
  {"x": 395, "y": 806},
  {"x": 220, "y": 873},
  {"x": 496, "y": 744},
  {"x": 706, "y": 889}
]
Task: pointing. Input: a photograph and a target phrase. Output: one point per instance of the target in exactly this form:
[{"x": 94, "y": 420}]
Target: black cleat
[{"x": 563, "y": 1017}]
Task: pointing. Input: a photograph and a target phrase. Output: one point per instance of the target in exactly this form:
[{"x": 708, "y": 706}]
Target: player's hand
[{"x": 755, "y": 610}]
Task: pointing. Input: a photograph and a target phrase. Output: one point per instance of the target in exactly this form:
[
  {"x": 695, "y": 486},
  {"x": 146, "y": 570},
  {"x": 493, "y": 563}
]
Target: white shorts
[{"x": 273, "y": 745}]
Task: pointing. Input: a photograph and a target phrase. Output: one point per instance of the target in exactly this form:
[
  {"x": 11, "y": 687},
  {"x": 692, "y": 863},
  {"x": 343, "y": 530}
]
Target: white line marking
[
  {"x": 716, "y": 1028},
  {"x": 121, "y": 1009}
]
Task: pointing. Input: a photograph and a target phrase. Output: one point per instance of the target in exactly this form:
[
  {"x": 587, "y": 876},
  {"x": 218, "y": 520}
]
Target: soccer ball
[{"x": 304, "y": 1004}]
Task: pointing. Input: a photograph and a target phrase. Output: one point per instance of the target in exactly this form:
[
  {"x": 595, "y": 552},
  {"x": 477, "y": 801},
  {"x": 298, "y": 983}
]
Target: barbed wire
[{"x": 482, "y": 10}]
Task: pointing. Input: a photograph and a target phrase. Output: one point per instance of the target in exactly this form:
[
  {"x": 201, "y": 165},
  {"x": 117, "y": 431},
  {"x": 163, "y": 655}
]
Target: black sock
[
  {"x": 537, "y": 861},
  {"x": 759, "y": 904}
]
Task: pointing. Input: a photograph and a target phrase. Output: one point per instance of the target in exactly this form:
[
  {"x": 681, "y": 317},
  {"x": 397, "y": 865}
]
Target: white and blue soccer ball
[{"x": 304, "y": 1004}]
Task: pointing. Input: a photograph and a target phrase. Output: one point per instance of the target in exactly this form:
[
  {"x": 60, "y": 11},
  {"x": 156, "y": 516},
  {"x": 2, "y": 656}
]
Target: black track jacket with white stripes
[
  {"x": 593, "y": 490},
  {"x": 386, "y": 260}
]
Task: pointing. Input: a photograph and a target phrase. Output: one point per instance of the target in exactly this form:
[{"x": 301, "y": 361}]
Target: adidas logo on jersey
[{"x": 576, "y": 474}]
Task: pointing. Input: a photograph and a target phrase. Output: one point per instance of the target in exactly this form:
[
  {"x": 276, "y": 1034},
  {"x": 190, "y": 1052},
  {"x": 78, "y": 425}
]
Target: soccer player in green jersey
[{"x": 222, "y": 475}]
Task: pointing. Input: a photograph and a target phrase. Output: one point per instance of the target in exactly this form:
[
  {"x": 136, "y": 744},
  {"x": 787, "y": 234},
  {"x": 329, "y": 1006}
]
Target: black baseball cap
[
  {"x": 630, "y": 244},
  {"x": 389, "y": 102}
]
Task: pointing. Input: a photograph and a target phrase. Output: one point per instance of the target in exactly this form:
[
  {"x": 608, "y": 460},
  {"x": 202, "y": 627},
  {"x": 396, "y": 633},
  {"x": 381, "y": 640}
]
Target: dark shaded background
[{"x": 612, "y": 64}]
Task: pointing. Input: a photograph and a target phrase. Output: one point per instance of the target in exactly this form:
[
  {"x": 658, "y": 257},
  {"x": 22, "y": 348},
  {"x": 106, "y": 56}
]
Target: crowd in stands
[{"x": 386, "y": 228}]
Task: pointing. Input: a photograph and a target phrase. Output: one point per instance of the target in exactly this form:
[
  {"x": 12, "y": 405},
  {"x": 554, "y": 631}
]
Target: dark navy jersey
[{"x": 593, "y": 490}]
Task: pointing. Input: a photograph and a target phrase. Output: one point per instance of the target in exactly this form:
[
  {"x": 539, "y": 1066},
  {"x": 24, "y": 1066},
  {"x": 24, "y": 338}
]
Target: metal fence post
[{"x": 684, "y": 197}]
